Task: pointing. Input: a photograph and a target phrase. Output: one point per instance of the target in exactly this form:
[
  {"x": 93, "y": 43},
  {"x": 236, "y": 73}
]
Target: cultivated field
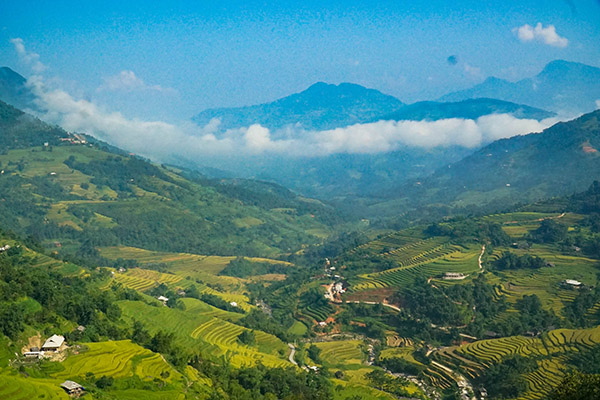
[
  {"x": 211, "y": 336},
  {"x": 551, "y": 351},
  {"x": 424, "y": 259}
]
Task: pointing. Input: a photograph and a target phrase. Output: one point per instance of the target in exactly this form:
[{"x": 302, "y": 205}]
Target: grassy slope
[{"x": 68, "y": 198}]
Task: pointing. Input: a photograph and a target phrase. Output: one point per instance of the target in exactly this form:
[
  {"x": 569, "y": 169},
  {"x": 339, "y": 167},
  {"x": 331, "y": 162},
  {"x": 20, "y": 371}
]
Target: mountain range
[
  {"x": 562, "y": 86},
  {"x": 325, "y": 106}
]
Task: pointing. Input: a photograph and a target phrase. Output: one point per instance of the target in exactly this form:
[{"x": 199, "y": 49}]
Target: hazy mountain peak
[
  {"x": 13, "y": 90},
  {"x": 562, "y": 86},
  {"x": 320, "y": 106},
  {"x": 8, "y": 75}
]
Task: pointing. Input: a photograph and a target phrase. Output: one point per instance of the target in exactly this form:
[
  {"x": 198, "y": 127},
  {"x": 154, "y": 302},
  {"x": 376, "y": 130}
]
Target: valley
[{"x": 461, "y": 270}]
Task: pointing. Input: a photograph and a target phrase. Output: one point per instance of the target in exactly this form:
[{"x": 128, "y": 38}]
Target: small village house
[
  {"x": 572, "y": 283},
  {"x": 454, "y": 276},
  {"x": 72, "y": 388},
  {"x": 54, "y": 343}
]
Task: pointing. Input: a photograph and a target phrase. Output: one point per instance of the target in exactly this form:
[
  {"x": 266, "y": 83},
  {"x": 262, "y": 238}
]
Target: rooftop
[
  {"x": 54, "y": 341},
  {"x": 70, "y": 385}
]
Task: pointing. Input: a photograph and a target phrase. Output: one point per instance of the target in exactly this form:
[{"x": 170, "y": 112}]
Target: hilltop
[
  {"x": 321, "y": 106},
  {"x": 14, "y": 90}
]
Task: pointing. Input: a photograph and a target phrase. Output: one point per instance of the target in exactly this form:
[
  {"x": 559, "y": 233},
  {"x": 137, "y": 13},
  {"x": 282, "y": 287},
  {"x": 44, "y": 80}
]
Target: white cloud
[
  {"x": 598, "y": 103},
  {"x": 27, "y": 57},
  {"x": 160, "y": 140},
  {"x": 128, "y": 81},
  {"x": 547, "y": 35}
]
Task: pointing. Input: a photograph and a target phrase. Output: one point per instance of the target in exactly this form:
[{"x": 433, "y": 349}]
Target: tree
[
  {"x": 247, "y": 337},
  {"x": 11, "y": 320},
  {"x": 577, "y": 386},
  {"x": 550, "y": 231}
]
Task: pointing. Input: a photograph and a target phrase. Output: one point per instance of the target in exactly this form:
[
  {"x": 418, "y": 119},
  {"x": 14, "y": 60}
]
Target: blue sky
[{"x": 169, "y": 60}]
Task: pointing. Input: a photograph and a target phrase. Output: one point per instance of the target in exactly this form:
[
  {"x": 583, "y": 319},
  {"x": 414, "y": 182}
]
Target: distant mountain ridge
[
  {"x": 321, "y": 106},
  {"x": 467, "y": 109},
  {"x": 562, "y": 86},
  {"x": 324, "y": 106}
]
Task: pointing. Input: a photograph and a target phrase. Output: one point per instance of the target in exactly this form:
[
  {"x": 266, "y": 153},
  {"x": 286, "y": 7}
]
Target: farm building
[
  {"x": 572, "y": 283},
  {"x": 163, "y": 299},
  {"x": 4, "y": 248},
  {"x": 454, "y": 276},
  {"x": 54, "y": 343},
  {"x": 72, "y": 388},
  {"x": 34, "y": 354}
]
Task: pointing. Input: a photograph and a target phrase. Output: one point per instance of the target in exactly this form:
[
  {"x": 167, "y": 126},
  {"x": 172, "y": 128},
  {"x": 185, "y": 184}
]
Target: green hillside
[
  {"x": 561, "y": 160},
  {"x": 78, "y": 195}
]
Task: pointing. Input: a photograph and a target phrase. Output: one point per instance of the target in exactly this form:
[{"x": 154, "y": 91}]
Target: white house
[
  {"x": 572, "y": 282},
  {"x": 53, "y": 343}
]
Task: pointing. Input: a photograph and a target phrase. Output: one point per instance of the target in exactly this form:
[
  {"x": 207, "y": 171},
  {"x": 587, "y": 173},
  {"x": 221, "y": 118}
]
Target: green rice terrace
[{"x": 551, "y": 353}]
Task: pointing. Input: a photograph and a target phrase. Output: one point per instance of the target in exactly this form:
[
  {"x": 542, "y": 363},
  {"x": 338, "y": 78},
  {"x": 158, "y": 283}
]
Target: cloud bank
[
  {"x": 158, "y": 139},
  {"x": 547, "y": 35},
  {"x": 128, "y": 81}
]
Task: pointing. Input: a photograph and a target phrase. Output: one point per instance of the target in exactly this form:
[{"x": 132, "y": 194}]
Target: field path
[
  {"x": 393, "y": 307},
  {"x": 481, "y": 255},
  {"x": 293, "y": 352}
]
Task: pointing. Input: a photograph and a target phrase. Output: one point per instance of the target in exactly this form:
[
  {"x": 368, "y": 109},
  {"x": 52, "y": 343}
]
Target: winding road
[
  {"x": 292, "y": 353},
  {"x": 481, "y": 255}
]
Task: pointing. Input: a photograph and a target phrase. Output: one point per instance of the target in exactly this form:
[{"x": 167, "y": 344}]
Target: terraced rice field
[
  {"x": 179, "y": 263},
  {"x": 545, "y": 282},
  {"x": 434, "y": 260},
  {"x": 397, "y": 341},
  {"x": 210, "y": 336},
  {"x": 393, "y": 241},
  {"x": 519, "y": 217},
  {"x": 136, "y": 394},
  {"x": 144, "y": 279},
  {"x": 241, "y": 299},
  {"x": 551, "y": 350},
  {"x": 341, "y": 352},
  {"x": 318, "y": 314},
  {"x": 117, "y": 359},
  {"x": 197, "y": 307},
  {"x": 399, "y": 352},
  {"x": 19, "y": 388}
]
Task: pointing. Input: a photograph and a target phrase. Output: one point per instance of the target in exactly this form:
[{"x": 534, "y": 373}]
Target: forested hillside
[
  {"x": 561, "y": 160},
  {"x": 73, "y": 193}
]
